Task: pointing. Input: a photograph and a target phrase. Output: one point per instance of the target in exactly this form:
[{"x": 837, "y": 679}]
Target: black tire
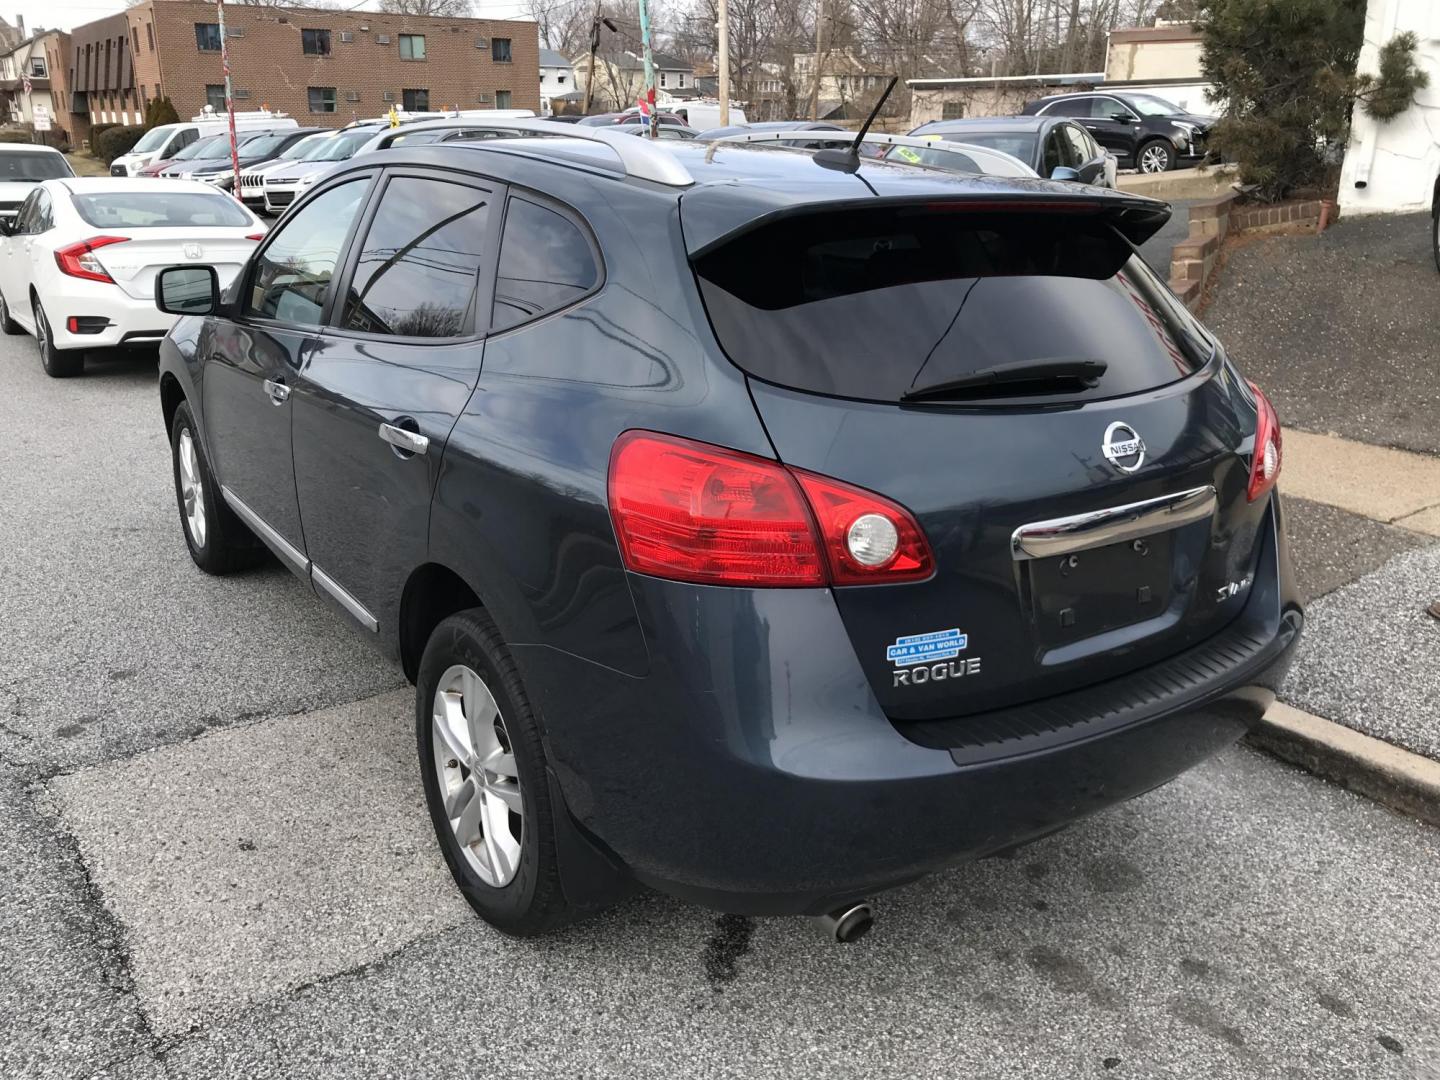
[
  {"x": 532, "y": 902},
  {"x": 7, "y": 324},
  {"x": 225, "y": 545},
  {"x": 1160, "y": 155},
  {"x": 58, "y": 363}
]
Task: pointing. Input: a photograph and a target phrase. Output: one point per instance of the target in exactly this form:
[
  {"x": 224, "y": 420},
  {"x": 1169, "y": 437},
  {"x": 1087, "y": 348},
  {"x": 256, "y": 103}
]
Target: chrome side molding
[
  {"x": 1099, "y": 528},
  {"x": 333, "y": 589},
  {"x": 287, "y": 552}
]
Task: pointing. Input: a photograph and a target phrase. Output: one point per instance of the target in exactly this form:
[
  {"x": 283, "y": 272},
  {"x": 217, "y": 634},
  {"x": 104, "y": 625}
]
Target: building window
[
  {"x": 135, "y": 33},
  {"x": 207, "y": 36},
  {"x": 315, "y": 42},
  {"x": 412, "y": 46},
  {"x": 663, "y": 82},
  {"x": 415, "y": 100},
  {"x": 215, "y": 97},
  {"x": 37, "y": 67},
  {"x": 559, "y": 80},
  {"x": 500, "y": 50},
  {"x": 502, "y": 99},
  {"x": 322, "y": 99},
  {"x": 952, "y": 110},
  {"x": 150, "y": 35},
  {"x": 681, "y": 76}
]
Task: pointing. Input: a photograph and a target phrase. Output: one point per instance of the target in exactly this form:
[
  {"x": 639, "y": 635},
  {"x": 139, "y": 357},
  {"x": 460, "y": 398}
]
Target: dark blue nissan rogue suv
[{"x": 760, "y": 530}]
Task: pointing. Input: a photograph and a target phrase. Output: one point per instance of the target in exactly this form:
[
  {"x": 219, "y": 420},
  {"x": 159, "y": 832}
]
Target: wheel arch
[
  {"x": 1435, "y": 197},
  {"x": 432, "y": 593}
]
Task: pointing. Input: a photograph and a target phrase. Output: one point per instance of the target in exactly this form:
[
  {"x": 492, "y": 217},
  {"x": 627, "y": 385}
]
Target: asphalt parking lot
[{"x": 215, "y": 862}]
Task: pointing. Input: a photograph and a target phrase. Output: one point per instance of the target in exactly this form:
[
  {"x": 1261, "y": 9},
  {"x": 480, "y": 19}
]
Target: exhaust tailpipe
[{"x": 846, "y": 924}]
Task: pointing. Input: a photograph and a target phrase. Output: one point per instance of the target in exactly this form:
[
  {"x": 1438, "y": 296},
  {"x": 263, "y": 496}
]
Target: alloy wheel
[
  {"x": 478, "y": 779},
  {"x": 42, "y": 329},
  {"x": 1154, "y": 159},
  {"x": 192, "y": 488}
]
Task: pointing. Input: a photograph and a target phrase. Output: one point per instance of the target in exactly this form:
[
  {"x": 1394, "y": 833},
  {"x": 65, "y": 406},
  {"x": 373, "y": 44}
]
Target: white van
[
  {"x": 704, "y": 114},
  {"x": 165, "y": 141}
]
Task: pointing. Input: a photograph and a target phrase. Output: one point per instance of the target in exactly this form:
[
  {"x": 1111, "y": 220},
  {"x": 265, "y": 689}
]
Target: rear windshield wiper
[{"x": 1055, "y": 375}]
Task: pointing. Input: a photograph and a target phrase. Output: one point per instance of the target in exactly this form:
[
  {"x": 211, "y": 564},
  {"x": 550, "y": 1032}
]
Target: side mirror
[
  {"x": 7, "y": 226},
  {"x": 1122, "y": 117},
  {"x": 1064, "y": 172},
  {"x": 187, "y": 290}
]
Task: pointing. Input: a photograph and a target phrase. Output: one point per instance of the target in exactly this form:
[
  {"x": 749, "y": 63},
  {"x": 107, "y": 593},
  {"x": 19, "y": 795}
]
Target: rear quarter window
[{"x": 870, "y": 304}]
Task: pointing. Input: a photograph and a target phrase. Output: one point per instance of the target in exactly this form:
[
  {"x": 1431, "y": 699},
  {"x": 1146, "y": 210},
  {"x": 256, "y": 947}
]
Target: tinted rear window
[
  {"x": 870, "y": 304},
  {"x": 27, "y": 165},
  {"x": 160, "y": 210}
]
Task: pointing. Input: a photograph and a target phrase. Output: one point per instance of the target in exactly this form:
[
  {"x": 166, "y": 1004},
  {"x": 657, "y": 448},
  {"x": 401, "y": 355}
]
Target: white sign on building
[{"x": 41, "y": 115}]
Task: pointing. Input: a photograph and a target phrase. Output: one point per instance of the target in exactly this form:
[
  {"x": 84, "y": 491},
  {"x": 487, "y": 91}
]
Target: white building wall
[{"x": 1393, "y": 166}]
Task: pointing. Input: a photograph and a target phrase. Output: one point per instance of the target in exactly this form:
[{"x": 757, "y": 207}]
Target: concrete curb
[{"x": 1367, "y": 766}]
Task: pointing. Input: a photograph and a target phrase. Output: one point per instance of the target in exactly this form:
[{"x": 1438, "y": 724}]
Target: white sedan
[{"x": 78, "y": 262}]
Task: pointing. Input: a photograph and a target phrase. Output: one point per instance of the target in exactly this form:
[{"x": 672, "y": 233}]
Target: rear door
[
  {"x": 389, "y": 375},
  {"x": 837, "y": 316},
  {"x": 251, "y": 363}
]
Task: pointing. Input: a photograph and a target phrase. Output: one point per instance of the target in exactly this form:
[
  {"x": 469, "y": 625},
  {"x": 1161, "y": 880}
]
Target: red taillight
[
  {"x": 1265, "y": 461},
  {"x": 690, "y": 511},
  {"x": 78, "y": 260}
]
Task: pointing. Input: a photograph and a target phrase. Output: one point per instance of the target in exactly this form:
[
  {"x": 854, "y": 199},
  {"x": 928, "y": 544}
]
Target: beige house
[{"x": 1168, "y": 51}]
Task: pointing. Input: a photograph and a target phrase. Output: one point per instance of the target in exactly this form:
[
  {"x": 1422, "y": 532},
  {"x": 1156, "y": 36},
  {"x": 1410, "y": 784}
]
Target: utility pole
[
  {"x": 819, "y": 37},
  {"x": 723, "y": 61},
  {"x": 649, "y": 93},
  {"x": 594, "y": 47},
  {"x": 229, "y": 97}
]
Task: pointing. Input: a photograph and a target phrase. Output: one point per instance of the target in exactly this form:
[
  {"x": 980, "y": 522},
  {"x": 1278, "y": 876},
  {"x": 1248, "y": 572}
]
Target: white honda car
[{"x": 78, "y": 263}]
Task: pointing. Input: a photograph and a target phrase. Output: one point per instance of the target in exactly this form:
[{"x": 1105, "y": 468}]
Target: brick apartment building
[{"x": 322, "y": 67}]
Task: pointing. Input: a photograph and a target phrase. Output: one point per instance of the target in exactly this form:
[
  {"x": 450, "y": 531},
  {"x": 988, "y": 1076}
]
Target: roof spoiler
[{"x": 1135, "y": 217}]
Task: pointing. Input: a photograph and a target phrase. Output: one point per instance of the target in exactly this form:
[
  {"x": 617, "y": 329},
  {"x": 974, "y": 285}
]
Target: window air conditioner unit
[
  {"x": 483, "y": 99},
  {"x": 352, "y": 95},
  {"x": 241, "y": 95},
  {"x": 482, "y": 43},
  {"x": 234, "y": 31},
  {"x": 388, "y": 95},
  {"x": 346, "y": 35},
  {"x": 382, "y": 39}
]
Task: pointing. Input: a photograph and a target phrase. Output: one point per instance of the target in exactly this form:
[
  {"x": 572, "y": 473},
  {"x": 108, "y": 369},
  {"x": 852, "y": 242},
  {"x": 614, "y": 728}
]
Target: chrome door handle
[
  {"x": 408, "y": 442},
  {"x": 278, "y": 391}
]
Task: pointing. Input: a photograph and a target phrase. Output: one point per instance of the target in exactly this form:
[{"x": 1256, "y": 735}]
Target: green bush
[
  {"x": 16, "y": 135},
  {"x": 160, "y": 111},
  {"x": 1390, "y": 93},
  {"x": 114, "y": 141}
]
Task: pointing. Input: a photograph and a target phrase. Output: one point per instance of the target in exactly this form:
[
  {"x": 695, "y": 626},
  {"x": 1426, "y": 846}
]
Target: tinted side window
[
  {"x": 545, "y": 263},
  {"x": 1079, "y": 144},
  {"x": 294, "y": 272},
  {"x": 1079, "y": 105},
  {"x": 420, "y": 264},
  {"x": 1053, "y": 156}
]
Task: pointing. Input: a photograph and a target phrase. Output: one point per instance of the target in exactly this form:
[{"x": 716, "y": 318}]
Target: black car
[
  {"x": 1053, "y": 146},
  {"x": 1143, "y": 131},
  {"x": 254, "y": 151},
  {"x": 763, "y": 533}
]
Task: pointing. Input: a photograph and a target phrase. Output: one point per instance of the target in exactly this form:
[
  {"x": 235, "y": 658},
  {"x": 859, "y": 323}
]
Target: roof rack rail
[
  {"x": 641, "y": 158},
  {"x": 994, "y": 162}
]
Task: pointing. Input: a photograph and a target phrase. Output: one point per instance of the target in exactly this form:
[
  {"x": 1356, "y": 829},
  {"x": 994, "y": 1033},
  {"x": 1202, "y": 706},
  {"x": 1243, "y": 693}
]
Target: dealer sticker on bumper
[{"x": 926, "y": 648}]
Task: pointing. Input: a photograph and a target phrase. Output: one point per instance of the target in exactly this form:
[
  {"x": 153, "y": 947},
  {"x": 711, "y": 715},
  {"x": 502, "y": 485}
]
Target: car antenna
[{"x": 848, "y": 158}]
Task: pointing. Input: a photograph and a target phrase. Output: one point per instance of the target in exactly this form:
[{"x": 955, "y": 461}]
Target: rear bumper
[
  {"x": 131, "y": 320},
  {"x": 753, "y": 771}
]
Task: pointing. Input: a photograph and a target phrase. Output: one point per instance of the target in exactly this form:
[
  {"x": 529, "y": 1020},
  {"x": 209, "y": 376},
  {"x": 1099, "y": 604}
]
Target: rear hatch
[
  {"x": 134, "y": 263},
  {"x": 1068, "y": 437},
  {"x": 164, "y": 227}
]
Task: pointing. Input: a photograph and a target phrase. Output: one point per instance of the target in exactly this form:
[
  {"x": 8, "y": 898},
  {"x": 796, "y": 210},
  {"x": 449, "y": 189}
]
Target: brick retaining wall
[{"x": 1211, "y": 221}]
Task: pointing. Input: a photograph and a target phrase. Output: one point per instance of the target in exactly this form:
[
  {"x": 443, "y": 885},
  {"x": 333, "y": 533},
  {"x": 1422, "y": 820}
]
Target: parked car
[
  {"x": 630, "y": 116},
  {"x": 1053, "y": 146},
  {"x": 21, "y": 168},
  {"x": 1143, "y": 131},
  {"x": 185, "y": 153},
  {"x": 430, "y": 131},
  {"x": 663, "y": 131},
  {"x": 281, "y": 186},
  {"x": 252, "y": 177},
  {"x": 768, "y": 125},
  {"x": 804, "y": 531},
  {"x": 252, "y": 152},
  {"x": 77, "y": 265},
  {"x": 164, "y": 141},
  {"x": 214, "y": 151}
]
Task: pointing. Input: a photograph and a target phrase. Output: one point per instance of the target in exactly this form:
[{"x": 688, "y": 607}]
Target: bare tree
[{"x": 445, "y": 9}]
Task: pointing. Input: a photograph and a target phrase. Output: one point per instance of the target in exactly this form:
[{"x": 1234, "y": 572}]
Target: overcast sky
[{"x": 68, "y": 14}]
